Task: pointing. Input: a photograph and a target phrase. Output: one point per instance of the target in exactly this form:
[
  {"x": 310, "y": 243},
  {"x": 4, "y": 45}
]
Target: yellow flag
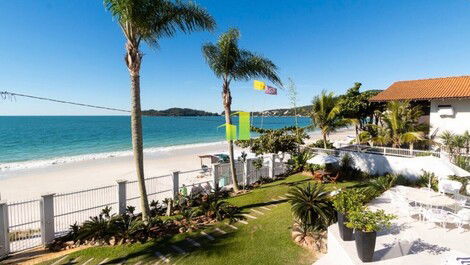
[{"x": 258, "y": 85}]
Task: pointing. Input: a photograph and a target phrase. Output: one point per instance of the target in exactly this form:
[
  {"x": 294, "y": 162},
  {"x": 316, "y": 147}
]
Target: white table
[{"x": 431, "y": 198}]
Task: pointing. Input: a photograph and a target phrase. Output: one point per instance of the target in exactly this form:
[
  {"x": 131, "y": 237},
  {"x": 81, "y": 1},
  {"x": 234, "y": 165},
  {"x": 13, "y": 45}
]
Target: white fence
[
  {"x": 28, "y": 224},
  {"x": 388, "y": 151}
]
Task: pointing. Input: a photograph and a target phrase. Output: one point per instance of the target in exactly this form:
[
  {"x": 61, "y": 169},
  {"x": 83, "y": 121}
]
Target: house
[{"x": 446, "y": 101}]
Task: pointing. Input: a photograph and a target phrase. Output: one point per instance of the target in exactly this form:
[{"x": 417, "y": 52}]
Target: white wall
[
  {"x": 457, "y": 123},
  {"x": 411, "y": 167}
]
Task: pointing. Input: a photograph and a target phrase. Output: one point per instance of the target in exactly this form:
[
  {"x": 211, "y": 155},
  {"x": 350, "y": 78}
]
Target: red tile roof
[{"x": 427, "y": 89}]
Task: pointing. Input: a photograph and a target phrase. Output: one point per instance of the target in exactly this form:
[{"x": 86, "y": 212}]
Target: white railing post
[
  {"x": 175, "y": 176},
  {"x": 215, "y": 174},
  {"x": 47, "y": 218},
  {"x": 121, "y": 195},
  {"x": 245, "y": 173},
  {"x": 272, "y": 157},
  {"x": 4, "y": 232}
]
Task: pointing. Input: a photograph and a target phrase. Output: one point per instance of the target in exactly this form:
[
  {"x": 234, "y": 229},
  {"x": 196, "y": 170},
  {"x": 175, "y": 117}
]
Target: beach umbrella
[{"x": 323, "y": 159}]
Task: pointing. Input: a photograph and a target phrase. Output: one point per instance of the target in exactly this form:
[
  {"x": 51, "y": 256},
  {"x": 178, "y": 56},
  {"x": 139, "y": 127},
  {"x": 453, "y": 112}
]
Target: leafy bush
[
  {"x": 369, "y": 221},
  {"x": 404, "y": 181},
  {"x": 347, "y": 169},
  {"x": 258, "y": 163},
  {"x": 425, "y": 178},
  {"x": 107, "y": 228},
  {"x": 298, "y": 161},
  {"x": 348, "y": 200},
  {"x": 312, "y": 207},
  {"x": 212, "y": 206},
  {"x": 319, "y": 144},
  {"x": 382, "y": 184}
]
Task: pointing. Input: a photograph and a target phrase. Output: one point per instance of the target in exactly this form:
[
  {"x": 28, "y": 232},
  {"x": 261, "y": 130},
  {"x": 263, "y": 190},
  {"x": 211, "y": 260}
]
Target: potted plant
[
  {"x": 347, "y": 201},
  {"x": 366, "y": 224}
]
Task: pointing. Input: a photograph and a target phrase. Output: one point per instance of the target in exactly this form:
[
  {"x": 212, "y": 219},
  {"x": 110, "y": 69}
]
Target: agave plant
[{"x": 312, "y": 206}]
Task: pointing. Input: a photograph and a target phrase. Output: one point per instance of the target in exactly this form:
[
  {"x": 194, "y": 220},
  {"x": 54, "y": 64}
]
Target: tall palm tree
[
  {"x": 326, "y": 115},
  {"x": 230, "y": 63},
  {"x": 148, "y": 21}
]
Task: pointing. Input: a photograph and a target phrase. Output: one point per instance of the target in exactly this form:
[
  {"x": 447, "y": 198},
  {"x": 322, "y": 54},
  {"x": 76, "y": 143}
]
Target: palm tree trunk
[
  {"x": 357, "y": 135},
  {"x": 227, "y": 99},
  {"x": 324, "y": 140},
  {"x": 133, "y": 61}
]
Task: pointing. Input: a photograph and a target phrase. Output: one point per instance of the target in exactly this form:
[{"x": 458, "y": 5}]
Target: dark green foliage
[
  {"x": 425, "y": 178},
  {"x": 312, "y": 206},
  {"x": 320, "y": 144},
  {"x": 349, "y": 200},
  {"x": 285, "y": 140},
  {"x": 356, "y": 105},
  {"x": 213, "y": 206},
  {"x": 178, "y": 112},
  {"x": 347, "y": 169},
  {"x": 404, "y": 181},
  {"x": 258, "y": 163},
  {"x": 369, "y": 221},
  {"x": 298, "y": 161},
  {"x": 383, "y": 183}
]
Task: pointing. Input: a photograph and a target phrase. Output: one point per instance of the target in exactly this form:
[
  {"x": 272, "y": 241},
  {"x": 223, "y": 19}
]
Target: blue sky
[{"x": 73, "y": 50}]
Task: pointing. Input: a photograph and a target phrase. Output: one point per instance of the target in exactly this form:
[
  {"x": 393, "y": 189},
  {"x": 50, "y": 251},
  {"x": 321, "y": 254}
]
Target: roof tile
[{"x": 426, "y": 89}]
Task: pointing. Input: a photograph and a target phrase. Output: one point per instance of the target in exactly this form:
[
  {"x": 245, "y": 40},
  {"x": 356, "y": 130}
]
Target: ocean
[{"x": 35, "y": 140}]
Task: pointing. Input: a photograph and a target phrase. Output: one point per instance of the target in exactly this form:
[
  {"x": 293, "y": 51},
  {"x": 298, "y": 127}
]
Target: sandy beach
[{"x": 22, "y": 184}]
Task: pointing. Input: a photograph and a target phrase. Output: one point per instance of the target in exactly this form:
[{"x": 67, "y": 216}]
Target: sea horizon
[{"x": 37, "y": 141}]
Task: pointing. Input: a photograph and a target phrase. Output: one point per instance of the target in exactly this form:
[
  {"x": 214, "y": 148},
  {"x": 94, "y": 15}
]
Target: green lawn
[{"x": 264, "y": 240}]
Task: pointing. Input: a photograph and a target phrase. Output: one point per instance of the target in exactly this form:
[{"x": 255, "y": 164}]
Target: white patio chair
[
  {"x": 461, "y": 200},
  {"x": 433, "y": 215},
  {"x": 410, "y": 211}
]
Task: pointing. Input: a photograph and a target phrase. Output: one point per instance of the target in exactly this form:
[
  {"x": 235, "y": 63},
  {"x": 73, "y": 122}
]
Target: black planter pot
[
  {"x": 345, "y": 233},
  {"x": 365, "y": 245}
]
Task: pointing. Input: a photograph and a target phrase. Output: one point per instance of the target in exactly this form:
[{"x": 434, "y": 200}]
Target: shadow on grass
[
  {"x": 254, "y": 205},
  {"x": 218, "y": 246}
]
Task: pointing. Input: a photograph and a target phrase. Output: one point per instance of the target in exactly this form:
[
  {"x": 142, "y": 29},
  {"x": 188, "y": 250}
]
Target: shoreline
[{"x": 31, "y": 183}]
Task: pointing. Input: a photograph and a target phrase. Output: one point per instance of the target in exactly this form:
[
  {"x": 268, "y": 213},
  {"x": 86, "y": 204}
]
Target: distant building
[{"x": 447, "y": 100}]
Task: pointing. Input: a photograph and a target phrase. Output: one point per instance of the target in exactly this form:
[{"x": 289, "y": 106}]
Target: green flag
[
  {"x": 244, "y": 125},
  {"x": 230, "y": 131}
]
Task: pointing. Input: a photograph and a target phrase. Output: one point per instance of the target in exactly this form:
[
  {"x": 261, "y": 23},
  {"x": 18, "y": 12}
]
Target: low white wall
[{"x": 379, "y": 164}]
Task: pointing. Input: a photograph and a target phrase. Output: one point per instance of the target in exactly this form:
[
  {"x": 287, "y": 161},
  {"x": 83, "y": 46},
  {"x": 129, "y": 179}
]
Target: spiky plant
[{"x": 312, "y": 206}]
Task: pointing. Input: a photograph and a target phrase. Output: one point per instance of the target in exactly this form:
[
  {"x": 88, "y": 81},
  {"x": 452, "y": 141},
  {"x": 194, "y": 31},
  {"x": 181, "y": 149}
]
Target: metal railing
[
  {"x": 380, "y": 150},
  {"x": 77, "y": 207},
  {"x": 37, "y": 222},
  {"x": 24, "y": 229}
]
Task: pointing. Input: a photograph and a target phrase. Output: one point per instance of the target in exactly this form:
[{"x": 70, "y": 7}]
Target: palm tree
[
  {"x": 401, "y": 123},
  {"x": 148, "y": 21},
  {"x": 230, "y": 63},
  {"x": 326, "y": 115},
  {"x": 466, "y": 139}
]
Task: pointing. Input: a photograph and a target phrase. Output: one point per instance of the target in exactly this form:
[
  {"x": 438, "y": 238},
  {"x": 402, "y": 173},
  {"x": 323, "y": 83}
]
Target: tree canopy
[{"x": 285, "y": 140}]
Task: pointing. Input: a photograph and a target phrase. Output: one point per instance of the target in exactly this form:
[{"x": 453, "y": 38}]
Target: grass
[{"x": 265, "y": 240}]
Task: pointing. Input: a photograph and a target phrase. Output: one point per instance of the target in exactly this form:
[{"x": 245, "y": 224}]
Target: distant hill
[
  {"x": 178, "y": 112},
  {"x": 300, "y": 111}
]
